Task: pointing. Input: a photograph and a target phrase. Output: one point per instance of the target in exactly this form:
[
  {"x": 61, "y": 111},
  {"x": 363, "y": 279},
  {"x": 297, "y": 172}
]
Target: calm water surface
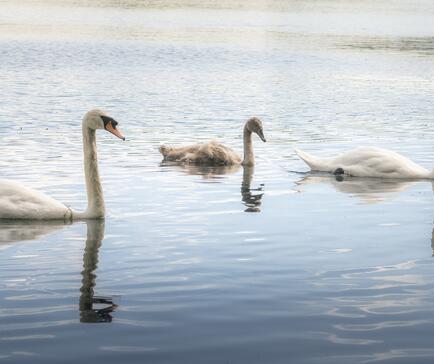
[{"x": 202, "y": 265}]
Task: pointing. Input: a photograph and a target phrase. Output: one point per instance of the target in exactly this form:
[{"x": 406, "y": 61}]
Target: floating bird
[
  {"x": 20, "y": 202},
  {"x": 215, "y": 154},
  {"x": 367, "y": 162}
]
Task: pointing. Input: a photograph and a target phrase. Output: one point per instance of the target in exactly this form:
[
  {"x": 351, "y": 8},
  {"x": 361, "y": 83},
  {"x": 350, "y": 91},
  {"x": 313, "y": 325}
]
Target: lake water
[{"x": 271, "y": 265}]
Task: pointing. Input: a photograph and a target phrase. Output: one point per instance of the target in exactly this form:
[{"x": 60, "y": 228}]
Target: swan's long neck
[
  {"x": 249, "y": 157},
  {"x": 95, "y": 199}
]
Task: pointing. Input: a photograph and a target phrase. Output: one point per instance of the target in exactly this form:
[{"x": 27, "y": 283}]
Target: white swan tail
[{"x": 315, "y": 164}]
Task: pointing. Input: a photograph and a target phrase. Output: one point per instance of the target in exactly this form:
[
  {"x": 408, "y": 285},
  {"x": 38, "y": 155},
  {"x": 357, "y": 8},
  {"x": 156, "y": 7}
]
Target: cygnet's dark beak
[{"x": 261, "y": 135}]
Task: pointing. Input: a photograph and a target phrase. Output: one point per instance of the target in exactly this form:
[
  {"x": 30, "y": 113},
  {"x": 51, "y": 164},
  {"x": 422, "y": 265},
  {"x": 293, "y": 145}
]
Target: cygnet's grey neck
[{"x": 249, "y": 157}]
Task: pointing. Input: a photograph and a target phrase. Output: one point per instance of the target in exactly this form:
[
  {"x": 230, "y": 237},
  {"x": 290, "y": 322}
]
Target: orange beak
[{"x": 109, "y": 127}]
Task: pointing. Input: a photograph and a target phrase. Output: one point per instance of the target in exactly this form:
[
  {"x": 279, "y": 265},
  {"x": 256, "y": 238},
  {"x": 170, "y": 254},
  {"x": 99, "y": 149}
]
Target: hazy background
[{"x": 323, "y": 271}]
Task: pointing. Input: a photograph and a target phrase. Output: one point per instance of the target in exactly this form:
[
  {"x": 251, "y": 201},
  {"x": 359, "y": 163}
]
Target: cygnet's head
[
  {"x": 254, "y": 125},
  {"x": 98, "y": 119}
]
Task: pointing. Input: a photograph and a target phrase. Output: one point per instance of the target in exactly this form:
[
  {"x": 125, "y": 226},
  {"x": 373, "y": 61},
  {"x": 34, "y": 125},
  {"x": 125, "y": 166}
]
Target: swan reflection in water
[
  {"x": 368, "y": 190},
  {"x": 93, "y": 309},
  {"x": 12, "y": 231},
  {"x": 251, "y": 198},
  {"x": 207, "y": 172},
  {"x": 252, "y": 201}
]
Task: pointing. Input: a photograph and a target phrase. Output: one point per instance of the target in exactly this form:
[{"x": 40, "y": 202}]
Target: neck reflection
[
  {"x": 93, "y": 309},
  {"x": 251, "y": 200}
]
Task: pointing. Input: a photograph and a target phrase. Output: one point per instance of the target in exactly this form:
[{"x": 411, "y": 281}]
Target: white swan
[
  {"x": 20, "y": 202},
  {"x": 216, "y": 154},
  {"x": 367, "y": 162}
]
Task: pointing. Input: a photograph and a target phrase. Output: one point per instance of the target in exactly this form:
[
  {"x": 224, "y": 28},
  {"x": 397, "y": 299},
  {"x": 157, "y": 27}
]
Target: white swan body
[
  {"x": 367, "y": 162},
  {"x": 18, "y": 202},
  {"x": 214, "y": 153}
]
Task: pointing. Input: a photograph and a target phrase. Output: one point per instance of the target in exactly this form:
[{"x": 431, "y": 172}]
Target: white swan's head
[
  {"x": 98, "y": 119},
  {"x": 254, "y": 125}
]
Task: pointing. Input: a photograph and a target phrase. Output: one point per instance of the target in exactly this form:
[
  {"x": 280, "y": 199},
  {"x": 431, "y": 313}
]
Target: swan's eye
[{"x": 107, "y": 119}]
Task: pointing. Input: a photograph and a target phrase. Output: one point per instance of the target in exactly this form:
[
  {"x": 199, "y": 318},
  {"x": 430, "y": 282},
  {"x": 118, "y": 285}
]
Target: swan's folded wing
[
  {"x": 214, "y": 153},
  {"x": 20, "y": 202}
]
